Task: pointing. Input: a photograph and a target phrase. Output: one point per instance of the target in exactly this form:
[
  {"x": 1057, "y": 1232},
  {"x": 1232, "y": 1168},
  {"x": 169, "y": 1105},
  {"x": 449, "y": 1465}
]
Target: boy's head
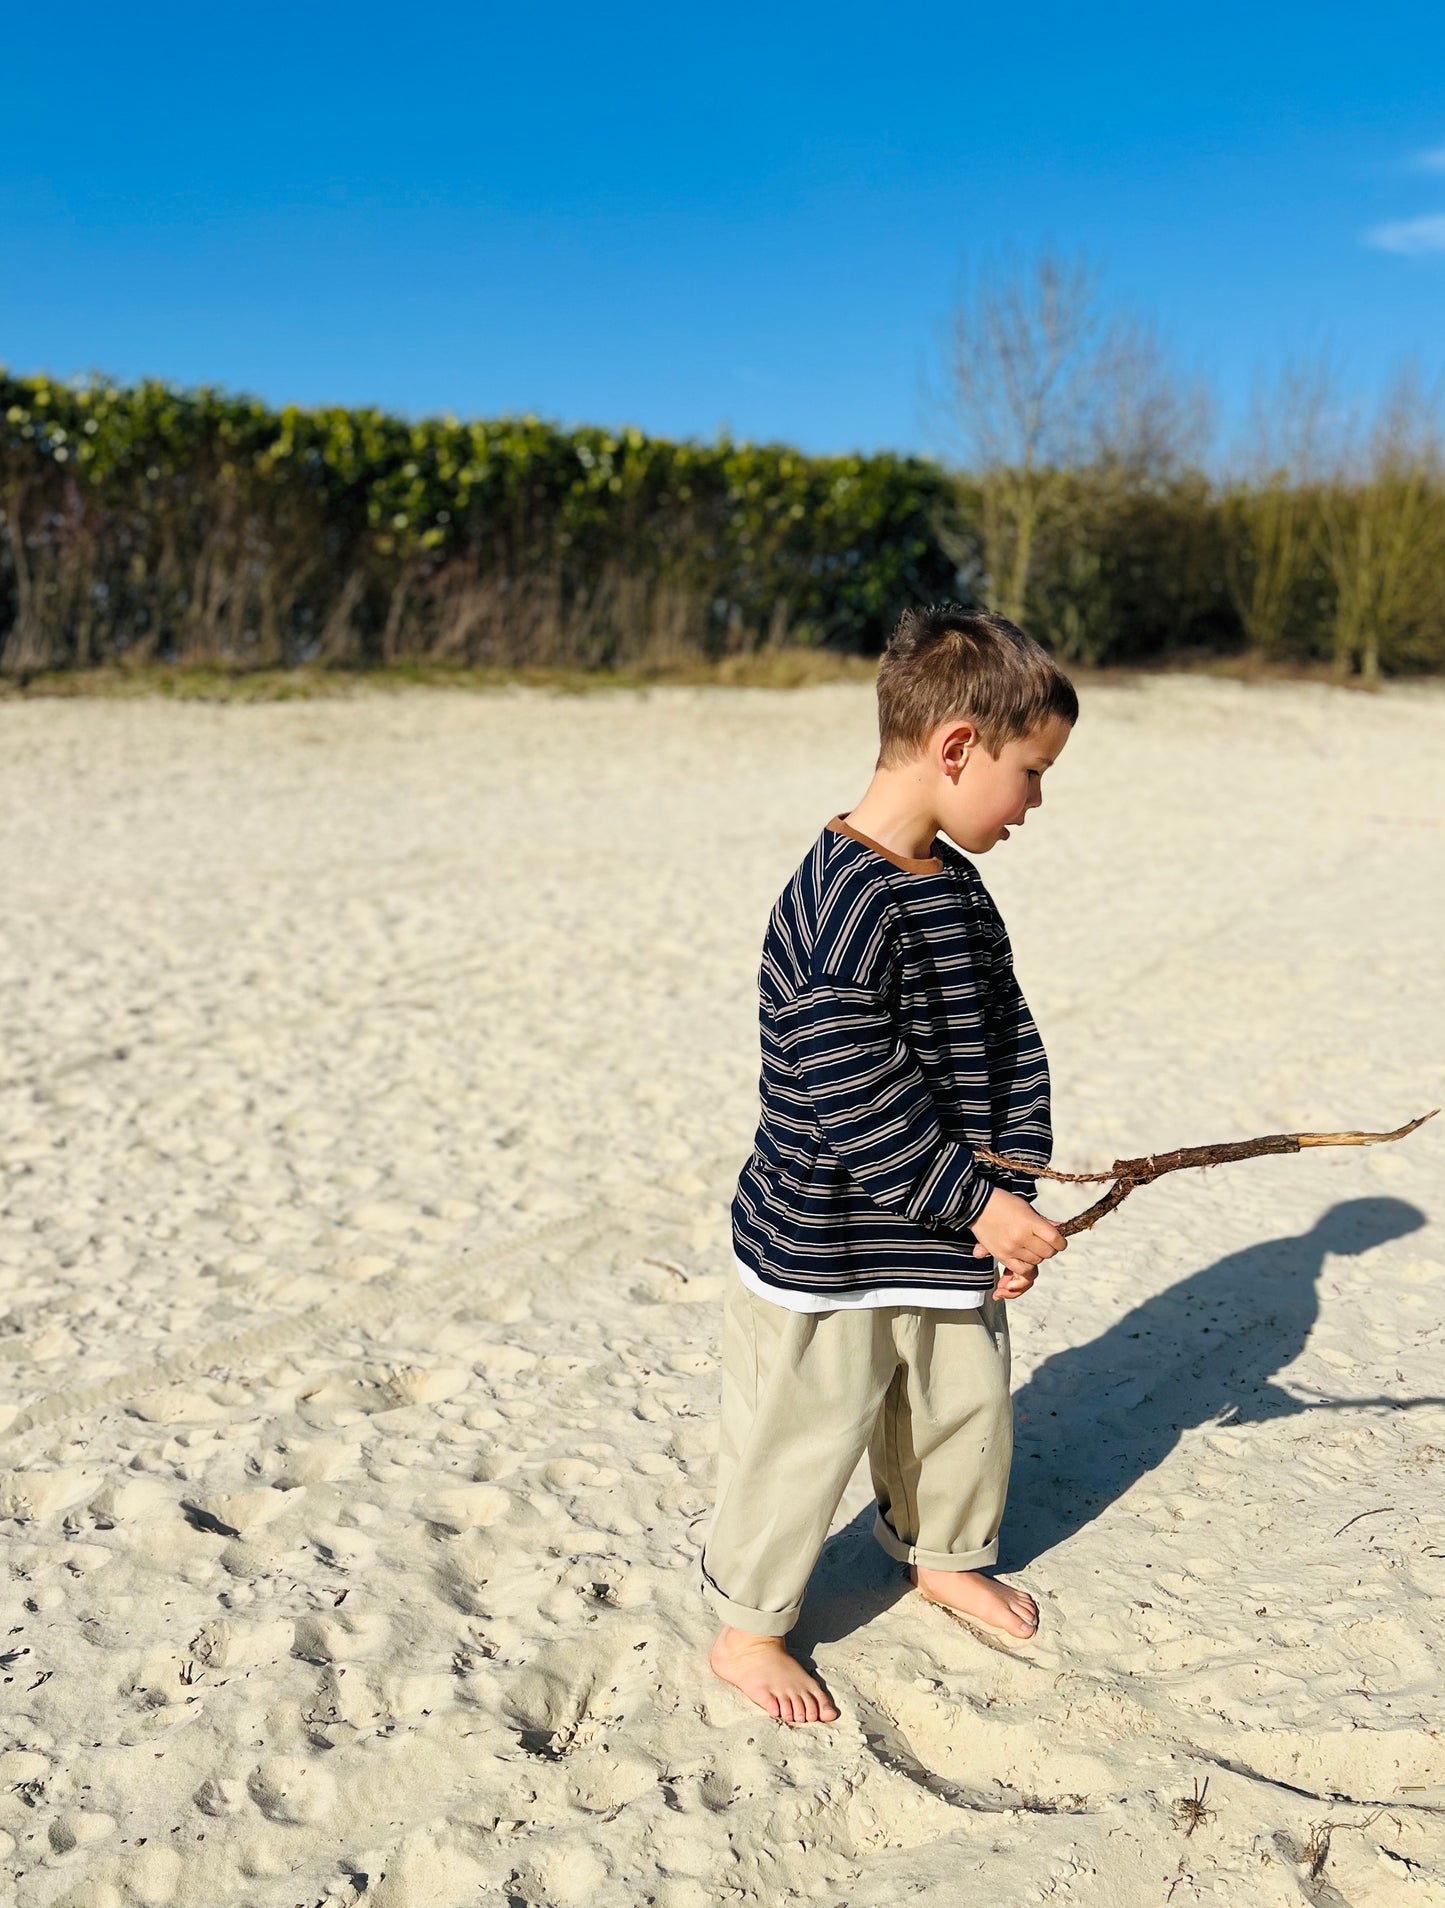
[{"x": 970, "y": 703}]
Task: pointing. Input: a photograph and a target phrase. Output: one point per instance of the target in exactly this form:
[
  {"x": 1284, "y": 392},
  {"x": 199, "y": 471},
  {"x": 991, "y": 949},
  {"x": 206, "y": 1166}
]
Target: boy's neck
[{"x": 897, "y": 813}]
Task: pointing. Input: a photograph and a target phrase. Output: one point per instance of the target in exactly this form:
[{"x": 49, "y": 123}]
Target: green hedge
[{"x": 191, "y": 525}]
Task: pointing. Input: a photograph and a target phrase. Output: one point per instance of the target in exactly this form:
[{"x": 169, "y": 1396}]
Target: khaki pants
[{"x": 804, "y": 1394}]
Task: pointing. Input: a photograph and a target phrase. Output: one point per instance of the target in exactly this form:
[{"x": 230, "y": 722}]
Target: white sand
[{"x": 310, "y": 1009}]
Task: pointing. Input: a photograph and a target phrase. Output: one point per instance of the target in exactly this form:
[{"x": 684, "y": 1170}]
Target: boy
[{"x": 867, "y": 1312}]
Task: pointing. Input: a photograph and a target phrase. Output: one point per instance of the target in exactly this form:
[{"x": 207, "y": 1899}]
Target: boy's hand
[
  {"x": 1012, "y": 1285},
  {"x": 1009, "y": 1230}
]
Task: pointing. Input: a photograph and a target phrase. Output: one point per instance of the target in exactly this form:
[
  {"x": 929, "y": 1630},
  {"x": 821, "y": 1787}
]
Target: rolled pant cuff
[
  {"x": 932, "y": 1559},
  {"x": 757, "y": 1622}
]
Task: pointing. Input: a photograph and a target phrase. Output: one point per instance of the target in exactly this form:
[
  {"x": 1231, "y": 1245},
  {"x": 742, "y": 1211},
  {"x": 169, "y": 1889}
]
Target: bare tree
[
  {"x": 1275, "y": 503},
  {"x": 1382, "y": 524},
  {"x": 1044, "y": 384}
]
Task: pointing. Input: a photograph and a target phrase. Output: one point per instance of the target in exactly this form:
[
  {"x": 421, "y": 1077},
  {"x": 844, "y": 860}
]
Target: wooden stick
[{"x": 1126, "y": 1174}]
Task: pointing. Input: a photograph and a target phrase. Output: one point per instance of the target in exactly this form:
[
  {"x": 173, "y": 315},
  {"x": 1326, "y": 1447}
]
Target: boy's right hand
[{"x": 1009, "y": 1230}]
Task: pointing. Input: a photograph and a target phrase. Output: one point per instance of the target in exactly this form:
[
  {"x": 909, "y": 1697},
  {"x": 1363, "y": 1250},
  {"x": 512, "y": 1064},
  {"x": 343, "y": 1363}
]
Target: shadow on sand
[{"x": 1095, "y": 1419}]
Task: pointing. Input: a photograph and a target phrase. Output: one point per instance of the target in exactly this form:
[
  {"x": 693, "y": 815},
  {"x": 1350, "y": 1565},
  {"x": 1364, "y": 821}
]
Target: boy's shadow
[{"x": 1095, "y": 1419}]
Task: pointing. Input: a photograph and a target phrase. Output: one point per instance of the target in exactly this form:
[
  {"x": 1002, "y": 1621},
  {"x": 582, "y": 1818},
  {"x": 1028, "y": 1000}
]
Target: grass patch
[
  {"x": 765, "y": 669},
  {"x": 781, "y": 668}
]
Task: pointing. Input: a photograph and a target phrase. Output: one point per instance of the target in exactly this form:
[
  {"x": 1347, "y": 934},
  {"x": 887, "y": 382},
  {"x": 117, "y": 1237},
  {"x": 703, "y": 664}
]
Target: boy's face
[{"x": 983, "y": 796}]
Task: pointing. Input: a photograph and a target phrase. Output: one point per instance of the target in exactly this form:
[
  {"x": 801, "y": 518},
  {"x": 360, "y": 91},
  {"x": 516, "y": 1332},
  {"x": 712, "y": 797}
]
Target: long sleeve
[
  {"x": 881, "y": 988},
  {"x": 1018, "y": 1072},
  {"x": 875, "y": 1109}
]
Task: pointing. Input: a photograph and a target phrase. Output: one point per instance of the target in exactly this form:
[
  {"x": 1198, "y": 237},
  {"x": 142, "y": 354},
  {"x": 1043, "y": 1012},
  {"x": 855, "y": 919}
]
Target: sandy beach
[{"x": 374, "y": 1074}]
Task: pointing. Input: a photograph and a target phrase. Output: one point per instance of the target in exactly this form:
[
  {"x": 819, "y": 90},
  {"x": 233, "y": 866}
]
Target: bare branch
[{"x": 1127, "y": 1174}]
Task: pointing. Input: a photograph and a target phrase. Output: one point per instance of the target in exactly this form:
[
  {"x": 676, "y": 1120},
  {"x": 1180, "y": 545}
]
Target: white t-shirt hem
[{"x": 923, "y": 1295}]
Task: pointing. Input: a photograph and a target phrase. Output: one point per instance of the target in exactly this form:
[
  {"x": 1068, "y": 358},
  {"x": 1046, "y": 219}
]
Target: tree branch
[{"x": 1126, "y": 1174}]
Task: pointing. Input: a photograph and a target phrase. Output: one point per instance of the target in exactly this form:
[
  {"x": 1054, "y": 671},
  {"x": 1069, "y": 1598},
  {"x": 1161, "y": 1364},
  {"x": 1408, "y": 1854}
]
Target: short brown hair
[{"x": 944, "y": 660}]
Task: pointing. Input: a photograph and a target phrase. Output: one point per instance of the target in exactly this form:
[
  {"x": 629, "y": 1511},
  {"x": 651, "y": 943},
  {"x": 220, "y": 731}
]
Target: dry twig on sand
[
  {"x": 1189, "y": 1810},
  {"x": 1126, "y": 1174}
]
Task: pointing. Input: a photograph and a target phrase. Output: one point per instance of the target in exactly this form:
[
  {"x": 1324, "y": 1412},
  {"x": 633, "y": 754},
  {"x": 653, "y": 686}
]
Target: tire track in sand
[{"x": 441, "y": 1293}]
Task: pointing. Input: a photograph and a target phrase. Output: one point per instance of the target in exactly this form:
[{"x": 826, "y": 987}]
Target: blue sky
[{"x": 685, "y": 218}]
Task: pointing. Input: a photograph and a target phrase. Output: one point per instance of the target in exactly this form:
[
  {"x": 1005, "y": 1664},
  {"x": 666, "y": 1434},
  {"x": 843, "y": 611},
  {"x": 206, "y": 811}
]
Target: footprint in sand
[
  {"x": 498, "y": 1363},
  {"x": 342, "y": 1637},
  {"x": 176, "y": 1405},
  {"x": 304, "y": 1461},
  {"x": 219, "y": 1796},
  {"x": 424, "y": 1873},
  {"x": 577, "y": 1474},
  {"x": 234, "y": 1513},
  {"x": 466, "y": 1506},
  {"x": 130, "y": 1499},
  {"x": 31, "y": 1496},
  {"x": 287, "y": 1789},
  {"x": 344, "y": 1706},
  {"x": 380, "y": 1388},
  {"x": 341, "y": 1547},
  {"x": 568, "y": 1875},
  {"x": 80, "y": 1828}
]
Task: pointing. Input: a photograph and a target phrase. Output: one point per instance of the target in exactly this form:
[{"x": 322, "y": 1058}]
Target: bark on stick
[{"x": 1126, "y": 1174}]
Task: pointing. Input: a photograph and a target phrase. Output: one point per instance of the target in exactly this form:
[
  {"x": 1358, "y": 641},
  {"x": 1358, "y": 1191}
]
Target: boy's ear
[{"x": 953, "y": 746}]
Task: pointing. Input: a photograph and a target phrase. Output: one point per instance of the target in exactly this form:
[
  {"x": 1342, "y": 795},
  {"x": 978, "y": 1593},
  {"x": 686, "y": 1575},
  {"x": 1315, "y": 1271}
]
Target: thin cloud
[
  {"x": 1411, "y": 238},
  {"x": 1432, "y": 161}
]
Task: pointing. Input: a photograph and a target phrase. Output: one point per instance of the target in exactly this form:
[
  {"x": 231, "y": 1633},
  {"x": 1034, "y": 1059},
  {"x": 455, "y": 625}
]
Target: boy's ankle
[{"x": 731, "y": 1637}]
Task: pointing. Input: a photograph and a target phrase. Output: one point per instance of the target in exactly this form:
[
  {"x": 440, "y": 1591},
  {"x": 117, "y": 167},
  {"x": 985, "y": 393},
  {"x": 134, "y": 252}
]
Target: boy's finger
[
  {"x": 1014, "y": 1286},
  {"x": 1019, "y": 1265}
]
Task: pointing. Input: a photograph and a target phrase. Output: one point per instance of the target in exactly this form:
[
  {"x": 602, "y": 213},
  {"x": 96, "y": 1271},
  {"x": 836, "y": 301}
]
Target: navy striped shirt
[{"x": 894, "y": 1040}]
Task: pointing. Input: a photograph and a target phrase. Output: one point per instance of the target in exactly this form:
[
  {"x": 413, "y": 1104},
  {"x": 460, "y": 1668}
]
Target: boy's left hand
[{"x": 1015, "y": 1284}]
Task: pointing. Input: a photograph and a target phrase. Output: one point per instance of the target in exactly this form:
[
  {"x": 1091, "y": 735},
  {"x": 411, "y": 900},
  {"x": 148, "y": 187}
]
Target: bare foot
[
  {"x": 763, "y": 1670},
  {"x": 983, "y": 1599}
]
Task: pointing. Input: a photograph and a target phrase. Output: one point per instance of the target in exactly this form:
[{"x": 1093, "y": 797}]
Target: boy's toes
[
  {"x": 1019, "y": 1615},
  {"x": 969, "y": 1594},
  {"x": 762, "y": 1669},
  {"x": 1025, "y": 1613},
  {"x": 807, "y": 1703}
]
